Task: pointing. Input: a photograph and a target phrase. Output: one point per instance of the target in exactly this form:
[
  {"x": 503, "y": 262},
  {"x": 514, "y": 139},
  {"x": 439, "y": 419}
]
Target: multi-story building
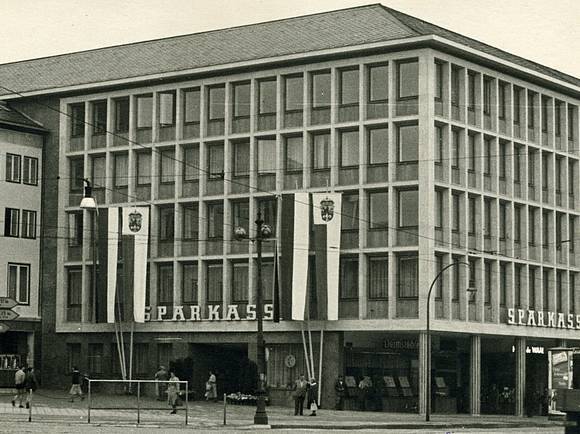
[
  {"x": 444, "y": 149},
  {"x": 21, "y": 141}
]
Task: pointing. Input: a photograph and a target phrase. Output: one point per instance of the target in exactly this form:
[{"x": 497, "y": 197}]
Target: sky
[{"x": 545, "y": 31}]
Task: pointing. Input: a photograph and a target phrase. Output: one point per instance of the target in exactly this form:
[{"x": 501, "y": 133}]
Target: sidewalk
[{"x": 54, "y": 406}]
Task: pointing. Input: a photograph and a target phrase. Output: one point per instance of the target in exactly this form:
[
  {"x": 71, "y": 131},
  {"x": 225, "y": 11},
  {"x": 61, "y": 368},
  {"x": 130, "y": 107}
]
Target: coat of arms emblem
[
  {"x": 135, "y": 221},
  {"x": 327, "y": 209}
]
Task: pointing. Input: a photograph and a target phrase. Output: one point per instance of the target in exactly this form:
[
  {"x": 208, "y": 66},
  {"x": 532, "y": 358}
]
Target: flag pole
[
  {"x": 306, "y": 356},
  {"x": 131, "y": 355},
  {"x": 310, "y": 345}
]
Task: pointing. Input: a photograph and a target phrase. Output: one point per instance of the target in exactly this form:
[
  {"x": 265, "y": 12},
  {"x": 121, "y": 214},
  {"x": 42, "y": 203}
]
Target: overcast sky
[{"x": 546, "y": 31}]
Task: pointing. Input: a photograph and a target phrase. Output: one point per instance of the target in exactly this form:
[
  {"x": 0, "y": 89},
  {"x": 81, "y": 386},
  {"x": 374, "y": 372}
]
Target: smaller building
[{"x": 21, "y": 144}]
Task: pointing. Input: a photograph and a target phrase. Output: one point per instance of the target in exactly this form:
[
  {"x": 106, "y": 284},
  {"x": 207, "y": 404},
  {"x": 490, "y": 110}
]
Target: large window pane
[
  {"x": 241, "y": 100},
  {"x": 166, "y": 223},
  {"x": 320, "y": 151},
  {"x": 267, "y": 97},
  {"x": 378, "y": 83},
  {"x": 241, "y": 159},
  {"x": 408, "y": 79},
  {"x": 408, "y": 141},
  {"x": 191, "y": 163},
  {"x": 349, "y": 148},
  {"x": 408, "y": 277},
  {"x": 190, "y": 222},
  {"x": 191, "y": 106},
  {"x": 189, "y": 283},
  {"x": 122, "y": 115},
  {"x": 168, "y": 166},
  {"x": 294, "y": 94},
  {"x": 144, "y": 111},
  {"x": 214, "y": 283},
  {"x": 378, "y": 146},
  {"x": 349, "y": 87},
  {"x": 378, "y": 210},
  {"x": 165, "y": 283},
  {"x": 215, "y": 219},
  {"x": 266, "y": 156},
  {"x": 241, "y": 215},
  {"x": 408, "y": 208},
  {"x": 121, "y": 170},
  {"x": 349, "y": 218},
  {"x": 378, "y": 277},
  {"x": 321, "y": 90},
  {"x": 349, "y": 278},
  {"x": 143, "y": 168},
  {"x": 215, "y": 156},
  {"x": 293, "y": 153},
  {"x": 216, "y": 103},
  {"x": 240, "y": 282}
]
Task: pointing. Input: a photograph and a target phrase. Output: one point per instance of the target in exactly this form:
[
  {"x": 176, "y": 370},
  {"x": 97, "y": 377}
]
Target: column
[
  {"x": 520, "y": 375},
  {"x": 475, "y": 376},
  {"x": 423, "y": 361}
]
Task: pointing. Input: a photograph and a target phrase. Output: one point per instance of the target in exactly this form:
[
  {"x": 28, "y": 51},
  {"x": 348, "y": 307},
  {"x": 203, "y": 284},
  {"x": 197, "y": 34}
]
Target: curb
[{"x": 416, "y": 426}]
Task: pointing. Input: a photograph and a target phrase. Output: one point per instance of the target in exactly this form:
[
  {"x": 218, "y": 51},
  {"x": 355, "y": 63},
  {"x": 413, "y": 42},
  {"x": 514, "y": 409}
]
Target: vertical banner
[
  {"x": 327, "y": 225},
  {"x": 112, "y": 237}
]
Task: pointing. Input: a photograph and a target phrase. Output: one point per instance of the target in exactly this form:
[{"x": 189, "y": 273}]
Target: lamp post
[
  {"x": 263, "y": 231},
  {"x": 90, "y": 203},
  {"x": 428, "y": 376}
]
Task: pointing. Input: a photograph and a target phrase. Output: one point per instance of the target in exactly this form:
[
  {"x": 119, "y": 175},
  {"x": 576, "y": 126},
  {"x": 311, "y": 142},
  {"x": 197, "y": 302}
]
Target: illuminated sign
[
  {"x": 230, "y": 312},
  {"x": 526, "y": 317}
]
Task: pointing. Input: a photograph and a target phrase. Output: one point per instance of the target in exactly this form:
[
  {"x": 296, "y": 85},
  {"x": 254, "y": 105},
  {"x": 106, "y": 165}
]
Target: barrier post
[
  {"x": 138, "y": 402},
  {"x": 30, "y": 405},
  {"x": 224, "y": 408},
  {"x": 89, "y": 398},
  {"x": 186, "y": 401}
]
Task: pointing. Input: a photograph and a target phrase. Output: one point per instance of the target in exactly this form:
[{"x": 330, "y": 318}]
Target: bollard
[
  {"x": 138, "y": 403},
  {"x": 30, "y": 405},
  {"x": 225, "y": 408}
]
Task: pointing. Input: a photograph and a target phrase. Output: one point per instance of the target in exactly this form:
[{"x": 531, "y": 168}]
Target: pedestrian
[
  {"x": 365, "y": 387},
  {"x": 19, "y": 379},
  {"x": 75, "y": 389},
  {"x": 173, "y": 392},
  {"x": 211, "y": 388},
  {"x": 313, "y": 396},
  {"x": 300, "y": 388},
  {"x": 161, "y": 386},
  {"x": 341, "y": 392},
  {"x": 30, "y": 385}
]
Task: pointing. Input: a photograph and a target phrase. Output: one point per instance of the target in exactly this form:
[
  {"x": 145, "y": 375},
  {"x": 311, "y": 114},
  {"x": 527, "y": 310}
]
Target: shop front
[{"x": 17, "y": 348}]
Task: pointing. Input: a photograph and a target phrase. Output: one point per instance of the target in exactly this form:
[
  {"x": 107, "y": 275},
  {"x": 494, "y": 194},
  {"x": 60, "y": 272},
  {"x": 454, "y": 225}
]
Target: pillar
[
  {"x": 520, "y": 375},
  {"x": 423, "y": 352},
  {"x": 475, "y": 376}
]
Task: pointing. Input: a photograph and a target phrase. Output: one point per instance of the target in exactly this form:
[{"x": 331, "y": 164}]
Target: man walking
[
  {"x": 341, "y": 393},
  {"x": 30, "y": 385},
  {"x": 300, "y": 388},
  {"x": 75, "y": 389},
  {"x": 19, "y": 385},
  {"x": 162, "y": 376}
]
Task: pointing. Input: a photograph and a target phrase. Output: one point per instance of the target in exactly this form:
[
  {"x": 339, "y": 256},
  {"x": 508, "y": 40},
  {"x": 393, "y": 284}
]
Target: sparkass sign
[
  {"x": 525, "y": 317},
  {"x": 231, "y": 312}
]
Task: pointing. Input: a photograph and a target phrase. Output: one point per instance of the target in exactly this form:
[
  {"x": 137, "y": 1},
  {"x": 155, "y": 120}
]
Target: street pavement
[{"x": 52, "y": 412}]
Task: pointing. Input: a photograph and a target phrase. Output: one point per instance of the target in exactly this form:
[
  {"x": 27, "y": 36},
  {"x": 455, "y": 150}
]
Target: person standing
[
  {"x": 161, "y": 387},
  {"x": 341, "y": 392},
  {"x": 300, "y": 388},
  {"x": 173, "y": 392},
  {"x": 211, "y": 387},
  {"x": 365, "y": 387},
  {"x": 75, "y": 389},
  {"x": 19, "y": 379},
  {"x": 30, "y": 385},
  {"x": 313, "y": 396}
]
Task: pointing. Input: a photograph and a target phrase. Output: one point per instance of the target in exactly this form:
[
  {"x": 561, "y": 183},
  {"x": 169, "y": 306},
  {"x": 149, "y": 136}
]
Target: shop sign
[
  {"x": 531, "y": 349},
  {"x": 231, "y": 312},
  {"x": 7, "y": 303},
  {"x": 401, "y": 344},
  {"x": 526, "y": 317},
  {"x": 8, "y": 315}
]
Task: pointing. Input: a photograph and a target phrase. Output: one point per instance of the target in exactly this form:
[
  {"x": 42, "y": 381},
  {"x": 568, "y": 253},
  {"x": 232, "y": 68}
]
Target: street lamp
[
  {"x": 263, "y": 231},
  {"x": 90, "y": 203},
  {"x": 428, "y": 376}
]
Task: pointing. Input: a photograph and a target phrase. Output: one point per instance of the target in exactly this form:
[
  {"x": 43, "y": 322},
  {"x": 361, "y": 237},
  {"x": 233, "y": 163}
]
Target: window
[
  {"x": 487, "y": 82},
  {"x": 165, "y": 283},
  {"x": 456, "y": 223},
  {"x": 19, "y": 282},
  {"x": 267, "y": 97},
  {"x": 408, "y": 274},
  {"x": 471, "y": 91},
  {"x": 572, "y": 234},
  {"x": 74, "y": 287},
  {"x": 166, "y": 223},
  {"x": 438, "y": 80},
  {"x": 98, "y": 172},
  {"x": 517, "y": 104},
  {"x": 11, "y": 222},
  {"x": 144, "y": 111},
  {"x": 143, "y": 168},
  {"x": 348, "y": 278},
  {"x": 408, "y": 208},
  {"x": 77, "y": 174},
  {"x": 517, "y": 223},
  {"x": 531, "y": 110},
  {"x": 488, "y": 282},
  {"x": 472, "y": 278},
  {"x": 349, "y": 217},
  {"x": 546, "y": 290},
  {"x": 439, "y": 209},
  {"x": 502, "y": 220},
  {"x": 75, "y": 229},
  {"x": 502, "y": 160},
  {"x": 559, "y": 294},
  {"x": 572, "y": 293},
  {"x": 349, "y": 148},
  {"x": 571, "y": 123},
  {"x": 455, "y": 149},
  {"x": 267, "y": 279},
  {"x": 267, "y": 208},
  {"x": 293, "y": 154},
  {"x": 293, "y": 93},
  {"x": 349, "y": 83},
  {"x": 502, "y": 284},
  {"x": 558, "y": 117},
  {"x": 408, "y": 79},
  {"x": 266, "y": 156},
  {"x": 502, "y": 100},
  {"x": 241, "y": 163},
  {"x": 532, "y": 287},
  {"x": 121, "y": 170},
  {"x": 378, "y": 83},
  {"x": 241, "y": 93},
  {"x": 545, "y": 170},
  {"x": 472, "y": 215},
  {"x": 121, "y": 115},
  {"x": 532, "y": 168},
  {"x": 77, "y": 120},
  {"x": 215, "y": 219},
  {"x": 487, "y": 156},
  {"x": 12, "y": 167},
  {"x": 456, "y": 282},
  {"x": 190, "y": 222},
  {"x": 531, "y": 227},
  {"x": 455, "y": 86},
  {"x": 544, "y": 108},
  {"x": 439, "y": 152},
  {"x": 189, "y": 283},
  {"x": 378, "y": 278},
  {"x": 240, "y": 282},
  {"x": 166, "y": 109},
  {"x": 216, "y": 103},
  {"x": 167, "y": 170},
  {"x": 95, "y": 358},
  {"x": 408, "y": 143},
  {"x": 517, "y": 163},
  {"x": 28, "y": 224},
  {"x": 99, "y": 117},
  {"x": 214, "y": 283},
  {"x": 241, "y": 215},
  {"x": 378, "y": 145},
  {"x": 321, "y": 90},
  {"x": 215, "y": 158},
  {"x": 378, "y": 210},
  {"x": 320, "y": 151},
  {"x": 74, "y": 355},
  {"x": 191, "y": 106},
  {"x": 191, "y": 163},
  {"x": 141, "y": 364},
  {"x": 571, "y": 178},
  {"x": 487, "y": 223},
  {"x": 440, "y": 282}
]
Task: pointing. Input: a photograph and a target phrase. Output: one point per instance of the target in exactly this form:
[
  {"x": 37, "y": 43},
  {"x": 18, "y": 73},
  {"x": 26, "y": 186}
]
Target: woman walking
[
  {"x": 173, "y": 392},
  {"x": 211, "y": 388},
  {"x": 313, "y": 396}
]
